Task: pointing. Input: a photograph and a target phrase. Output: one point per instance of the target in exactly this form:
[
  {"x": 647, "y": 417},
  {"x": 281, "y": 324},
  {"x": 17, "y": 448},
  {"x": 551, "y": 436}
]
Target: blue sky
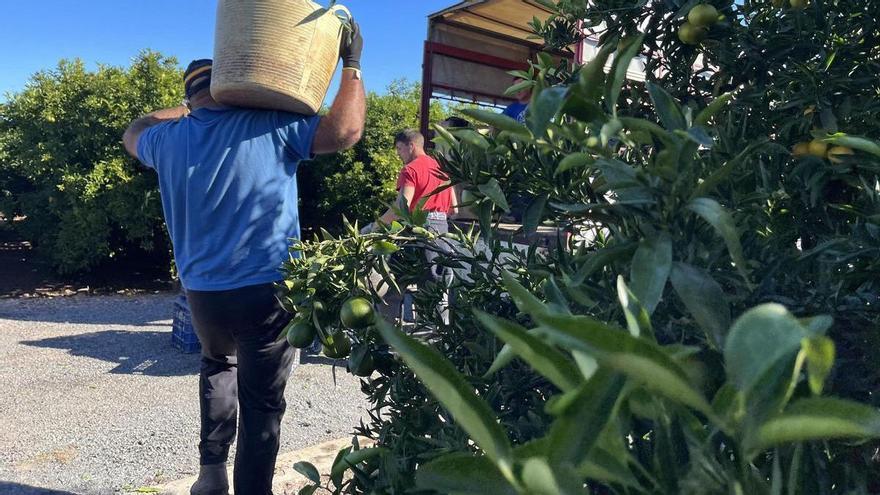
[{"x": 36, "y": 35}]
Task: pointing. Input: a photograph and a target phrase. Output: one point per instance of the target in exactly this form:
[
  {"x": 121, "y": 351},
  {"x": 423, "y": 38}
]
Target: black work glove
[{"x": 352, "y": 46}]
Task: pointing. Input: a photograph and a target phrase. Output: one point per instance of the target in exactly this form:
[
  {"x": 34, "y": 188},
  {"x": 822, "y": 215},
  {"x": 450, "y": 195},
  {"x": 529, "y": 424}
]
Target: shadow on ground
[
  {"x": 142, "y": 311},
  {"x": 142, "y": 353},
  {"x": 7, "y": 488},
  {"x": 135, "y": 353}
]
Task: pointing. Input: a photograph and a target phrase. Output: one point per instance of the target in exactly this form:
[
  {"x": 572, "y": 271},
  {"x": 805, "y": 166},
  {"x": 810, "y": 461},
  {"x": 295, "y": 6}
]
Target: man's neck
[
  {"x": 204, "y": 101},
  {"x": 416, "y": 155}
]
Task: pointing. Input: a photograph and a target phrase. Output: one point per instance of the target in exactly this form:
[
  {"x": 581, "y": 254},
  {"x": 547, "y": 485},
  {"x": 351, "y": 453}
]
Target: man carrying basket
[{"x": 227, "y": 178}]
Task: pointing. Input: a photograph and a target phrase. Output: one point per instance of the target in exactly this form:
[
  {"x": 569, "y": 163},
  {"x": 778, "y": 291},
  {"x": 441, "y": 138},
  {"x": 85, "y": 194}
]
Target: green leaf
[
  {"x": 592, "y": 76},
  {"x": 855, "y": 142},
  {"x": 600, "y": 259},
  {"x": 484, "y": 213},
  {"x": 498, "y": 121},
  {"x": 524, "y": 300},
  {"x": 604, "y": 467},
  {"x": 586, "y": 364},
  {"x": 556, "y": 300},
  {"x": 621, "y": 178},
  {"x": 573, "y": 161},
  {"x": 472, "y": 138},
  {"x": 817, "y": 325},
  {"x": 718, "y": 217},
  {"x": 505, "y": 356},
  {"x": 308, "y": 470},
  {"x": 720, "y": 175},
  {"x": 716, "y": 106},
  {"x": 463, "y": 473},
  {"x": 641, "y": 125},
  {"x": 544, "y": 109},
  {"x": 337, "y": 478},
  {"x": 698, "y": 135},
  {"x": 818, "y": 418},
  {"x": 758, "y": 340},
  {"x": 516, "y": 88},
  {"x": 705, "y": 300},
  {"x": 540, "y": 479},
  {"x": 636, "y": 358},
  {"x": 776, "y": 477},
  {"x": 667, "y": 108},
  {"x": 770, "y": 393},
  {"x": 820, "y": 359},
  {"x": 308, "y": 490},
  {"x": 534, "y": 213},
  {"x": 626, "y": 51},
  {"x": 575, "y": 432},
  {"x": 545, "y": 359},
  {"x": 445, "y": 135},
  {"x": 471, "y": 412},
  {"x": 650, "y": 269},
  {"x": 583, "y": 109},
  {"x": 492, "y": 190},
  {"x": 637, "y": 319},
  {"x": 354, "y": 458}
]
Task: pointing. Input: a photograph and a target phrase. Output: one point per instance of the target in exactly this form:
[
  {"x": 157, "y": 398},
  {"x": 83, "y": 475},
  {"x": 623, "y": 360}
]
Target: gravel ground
[{"x": 94, "y": 400}]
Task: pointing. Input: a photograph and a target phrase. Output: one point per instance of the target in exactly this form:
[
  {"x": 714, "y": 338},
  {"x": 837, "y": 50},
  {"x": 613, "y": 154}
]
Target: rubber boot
[{"x": 212, "y": 481}]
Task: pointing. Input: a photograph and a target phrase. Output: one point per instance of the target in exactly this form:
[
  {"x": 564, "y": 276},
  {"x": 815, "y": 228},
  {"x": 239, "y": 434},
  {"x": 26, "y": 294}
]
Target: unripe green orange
[
  {"x": 357, "y": 313},
  {"x": 340, "y": 348},
  {"x": 703, "y": 15},
  {"x": 691, "y": 35},
  {"x": 300, "y": 334}
]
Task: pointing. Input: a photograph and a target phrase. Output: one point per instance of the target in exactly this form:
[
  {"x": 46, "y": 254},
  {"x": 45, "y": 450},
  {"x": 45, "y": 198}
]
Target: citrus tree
[
  {"x": 64, "y": 168},
  {"x": 714, "y": 280}
]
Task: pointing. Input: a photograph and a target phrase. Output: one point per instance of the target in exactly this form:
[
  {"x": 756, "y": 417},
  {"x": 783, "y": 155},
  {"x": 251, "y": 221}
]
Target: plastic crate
[{"x": 183, "y": 335}]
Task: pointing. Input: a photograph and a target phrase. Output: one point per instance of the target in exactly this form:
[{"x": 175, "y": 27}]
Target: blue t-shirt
[
  {"x": 517, "y": 111},
  {"x": 228, "y": 182}
]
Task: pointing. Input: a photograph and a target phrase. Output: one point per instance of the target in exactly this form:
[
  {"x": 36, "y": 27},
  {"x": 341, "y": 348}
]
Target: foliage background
[
  {"x": 64, "y": 168},
  {"x": 86, "y": 202}
]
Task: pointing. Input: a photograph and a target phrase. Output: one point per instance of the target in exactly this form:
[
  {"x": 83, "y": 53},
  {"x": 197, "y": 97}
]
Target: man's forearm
[
  {"x": 388, "y": 217},
  {"x": 159, "y": 116},
  {"x": 350, "y": 104},
  {"x": 343, "y": 125},
  {"x": 132, "y": 134}
]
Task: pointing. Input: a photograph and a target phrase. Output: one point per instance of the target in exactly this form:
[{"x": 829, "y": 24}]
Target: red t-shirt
[{"x": 425, "y": 176}]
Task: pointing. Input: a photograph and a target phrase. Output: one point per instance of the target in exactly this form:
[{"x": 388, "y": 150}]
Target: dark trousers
[
  {"x": 393, "y": 302},
  {"x": 242, "y": 380}
]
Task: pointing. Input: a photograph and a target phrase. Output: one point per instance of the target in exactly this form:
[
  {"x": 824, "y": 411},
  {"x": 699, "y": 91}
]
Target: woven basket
[{"x": 275, "y": 54}]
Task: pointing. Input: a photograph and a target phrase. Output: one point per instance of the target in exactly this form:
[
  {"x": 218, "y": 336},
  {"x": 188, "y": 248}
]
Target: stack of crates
[{"x": 183, "y": 334}]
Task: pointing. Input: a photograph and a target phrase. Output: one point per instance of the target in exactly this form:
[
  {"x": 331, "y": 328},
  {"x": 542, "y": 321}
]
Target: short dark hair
[
  {"x": 410, "y": 136},
  {"x": 455, "y": 122}
]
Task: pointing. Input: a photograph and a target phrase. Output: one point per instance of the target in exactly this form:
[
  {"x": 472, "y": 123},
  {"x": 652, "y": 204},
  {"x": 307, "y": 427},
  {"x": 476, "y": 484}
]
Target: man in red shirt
[{"x": 421, "y": 176}]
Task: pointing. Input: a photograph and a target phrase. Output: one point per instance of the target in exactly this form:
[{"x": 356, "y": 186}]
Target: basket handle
[{"x": 341, "y": 12}]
